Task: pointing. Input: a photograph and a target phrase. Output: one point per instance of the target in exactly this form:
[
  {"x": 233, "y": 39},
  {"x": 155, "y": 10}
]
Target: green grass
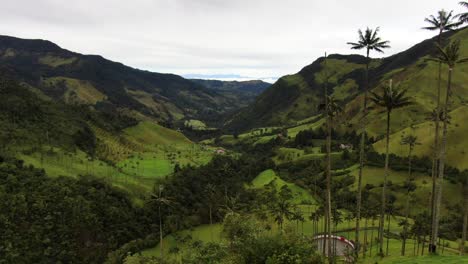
[
  {"x": 55, "y": 61},
  {"x": 150, "y": 135},
  {"x": 150, "y": 165},
  {"x": 204, "y": 233},
  {"x": 446, "y": 259},
  {"x": 292, "y": 132},
  {"x": 195, "y": 124},
  {"x": 147, "y": 152},
  {"x": 300, "y": 195},
  {"x": 457, "y": 141},
  {"x": 452, "y": 193}
]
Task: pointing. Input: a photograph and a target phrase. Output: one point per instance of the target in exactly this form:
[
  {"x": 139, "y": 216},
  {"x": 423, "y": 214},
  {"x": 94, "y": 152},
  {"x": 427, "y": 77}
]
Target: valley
[{"x": 105, "y": 163}]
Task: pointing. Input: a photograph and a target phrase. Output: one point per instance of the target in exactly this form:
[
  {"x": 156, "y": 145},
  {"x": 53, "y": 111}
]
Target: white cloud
[{"x": 252, "y": 38}]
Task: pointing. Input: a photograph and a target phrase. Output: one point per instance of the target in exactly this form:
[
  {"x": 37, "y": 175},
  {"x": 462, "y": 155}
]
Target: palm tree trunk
[
  {"x": 435, "y": 162},
  {"x": 362, "y": 156},
  {"x": 325, "y": 240},
  {"x": 382, "y": 209},
  {"x": 388, "y": 233},
  {"x": 364, "y": 246},
  {"x": 211, "y": 225},
  {"x": 328, "y": 168},
  {"x": 465, "y": 220},
  {"x": 371, "y": 237},
  {"x": 160, "y": 233},
  {"x": 440, "y": 178},
  {"x": 419, "y": 242},
  {"x": 423, "y": 245},
  {"x": 405, "y": 227}
]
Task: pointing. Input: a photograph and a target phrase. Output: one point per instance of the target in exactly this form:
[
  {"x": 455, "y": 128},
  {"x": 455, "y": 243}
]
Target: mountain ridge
[{"x": 58, "y": 72}]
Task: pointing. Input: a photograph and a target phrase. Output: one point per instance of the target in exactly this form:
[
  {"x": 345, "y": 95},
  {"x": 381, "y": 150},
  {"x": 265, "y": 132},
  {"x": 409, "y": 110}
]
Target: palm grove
[
  {"x": 392, "y": 98},
  {"x": 86, "y": 220}
]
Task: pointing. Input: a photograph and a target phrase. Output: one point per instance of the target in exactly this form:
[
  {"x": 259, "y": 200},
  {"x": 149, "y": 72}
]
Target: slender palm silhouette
[
  {"x": 160, "y": 201},
  {"x": 390, "y": 99},
  {"x": 442, "y": 22},
  {"x": 369, "y": 40},
  {"x": 449, "y": 56},
  {"x": 411, "y": 141}
]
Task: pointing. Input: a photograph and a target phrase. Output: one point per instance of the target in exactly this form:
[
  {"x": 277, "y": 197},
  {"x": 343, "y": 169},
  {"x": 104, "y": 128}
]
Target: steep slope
[
  {"x": 296, "y": 97},
  {"x": 92, "y": 80},
  {"x": 244, "y": 92}
]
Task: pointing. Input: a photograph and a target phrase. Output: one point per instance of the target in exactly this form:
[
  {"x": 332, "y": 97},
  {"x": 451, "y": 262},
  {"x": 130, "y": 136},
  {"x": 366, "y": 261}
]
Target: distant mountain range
[
  {"x": 242, "y": 91},
  {"x": 92, "y": 80}
]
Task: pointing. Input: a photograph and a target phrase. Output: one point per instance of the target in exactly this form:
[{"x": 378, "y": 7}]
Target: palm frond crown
[
  {"x": 463, "y": 17},
  {"x": 443, "y": 21},
  {"x": 450, "y": 55},
  {"x": 333, "y": 107},
  {"x": 370, "y": 40},
  {"x": 391, "y": 98}
]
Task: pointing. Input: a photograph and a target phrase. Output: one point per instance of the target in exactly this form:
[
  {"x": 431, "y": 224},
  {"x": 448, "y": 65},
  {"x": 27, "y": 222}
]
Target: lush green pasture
[
  {"x": 300, "y": 195},
  {"x": 207, "y": 233},
  {"x": 426, "y": 260},
  {"x": 149, "y": 151},
  {"x": 148, "y": 135},
  {"x": 421, "y": 196},
  {"x": 457, "y": 142}
]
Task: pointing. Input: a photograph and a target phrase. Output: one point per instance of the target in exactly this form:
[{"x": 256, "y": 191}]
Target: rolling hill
[
  {"x": 296, "y": 97},
  {"x": 92, "y": 80},
  {"x": 244, "y": 92}
]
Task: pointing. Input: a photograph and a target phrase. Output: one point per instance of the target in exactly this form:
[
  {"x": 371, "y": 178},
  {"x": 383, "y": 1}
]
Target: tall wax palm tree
[
  {"x": 330, "y": 108},
  {"x": 211, "y": 196},
  {"x": 464, "y": 181},
  {"x": 160, "y": 201},
  {"x": 390, "y": 99},
  {"x": 442, "y": 22},
  {"x": 370, "y": 41},
  {"x": 449, "y": 56},
  {"x": 463, "y": 17},
  {"x": 410, "y": 141}
]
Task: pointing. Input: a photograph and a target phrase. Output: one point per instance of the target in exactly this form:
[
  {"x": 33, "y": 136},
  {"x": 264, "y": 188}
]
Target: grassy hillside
[
  {"x": 300, "y": 195},
  {"x": 92, "y": 80},
  {"x": 457, "y": 142},
  {"x": 295, "y": 97}
]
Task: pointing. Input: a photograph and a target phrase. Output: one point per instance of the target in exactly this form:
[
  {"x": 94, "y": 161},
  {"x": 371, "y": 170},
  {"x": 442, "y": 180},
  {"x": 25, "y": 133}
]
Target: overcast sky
[{"x": 240, "y": 39}]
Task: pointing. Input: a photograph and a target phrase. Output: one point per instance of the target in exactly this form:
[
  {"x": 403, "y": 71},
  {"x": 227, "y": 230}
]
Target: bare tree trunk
[
  {"x": 160, "y": 232},
  {"x": 388, "y": 233},
  {"x": 405, "y": 227},
  {"x": 328, "y": 170},
  {"x": 371, "y": 238},
  {"x": 423, "y": 245},
  {"x": 382, "y": 209},
  {"x": 362, "y": 157},
  {"x": 435, "y": 162},
  {"x": 364, "y": 246},
  {"x": 465, "y": 219},
  {"x": 440, "y": 178},
  {"x": 211, "y": 225}
]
